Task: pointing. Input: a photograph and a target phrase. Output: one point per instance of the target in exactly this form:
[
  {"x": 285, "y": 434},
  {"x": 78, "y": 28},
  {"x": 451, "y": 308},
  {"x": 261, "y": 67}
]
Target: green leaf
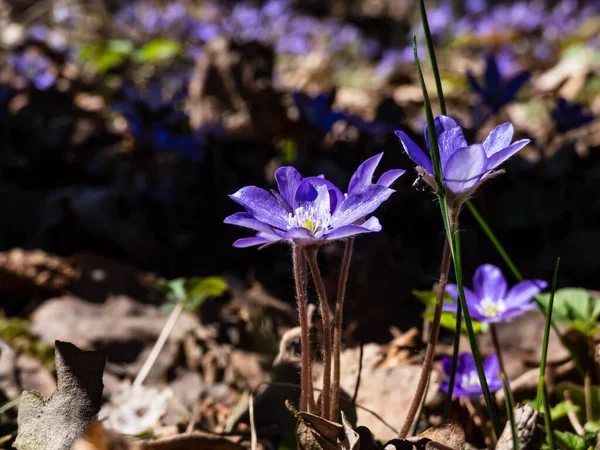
[
  {"x": 575, "y": 307},
  {"x": 200, "y": 289},
  {"x": 562, "y": 409},
  {"x": 570, "y": 441},
  {"x": 107, "y": 55},
  {"x": 448, "y": 321},
  {"x": 157, "y": 50},
  {"x": 429, "y": 298}
]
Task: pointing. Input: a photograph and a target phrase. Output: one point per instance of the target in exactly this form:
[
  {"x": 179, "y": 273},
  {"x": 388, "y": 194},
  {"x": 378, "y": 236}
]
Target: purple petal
[
  {"x": 389, "y": 177},
  {"x": 470, "y": 297},
  {"x": 364, "y": 174},
  {"x": 256, "y": 240},
  {"x": 360, "y": 204},
  {"x": 305, "y": 195},
  {"x": 298, "y": 233},
  {"x": 491, "y": 367},
  {"x": 281, "y": 201},
  {"x": 414, "y": 152},
  {"x": 450, "y": 137},
  {"x": 522, "y": 293},
  {"x": 501, "y": 156},
  {"x": 489, "y": 282},
  {"x": 464, "y": 168},
  {"x": 248, "y": 221},
  {"x": 466, "y": 363},
  {"x": 336, "y": 196},
  {"x": 288, "y": 179},
  {"x": 262, "y": 205},
  {"x": 498, "y": 139},
  {"x": 446, "y": 365},
  {"x": 370, "y": 226}
]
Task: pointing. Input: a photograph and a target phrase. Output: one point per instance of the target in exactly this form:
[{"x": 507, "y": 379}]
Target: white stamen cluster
[
  {"x": 490, "y": 308},
  {"x": 315, "y": 221},
  {"x": 469, "y": 380}
]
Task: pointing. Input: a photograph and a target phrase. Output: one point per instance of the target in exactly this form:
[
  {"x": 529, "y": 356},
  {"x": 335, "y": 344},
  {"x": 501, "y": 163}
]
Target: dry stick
[
  {"x": 253, "y": 439},
  {"x": 337, "y": 330},
  {"x": 573, "y": 419},
  {"x": 159, "y": 344},
  {"x": 311, "y": 256},
  {"x": 305, "y": 370},
  {"x": 430, "y": 351}
]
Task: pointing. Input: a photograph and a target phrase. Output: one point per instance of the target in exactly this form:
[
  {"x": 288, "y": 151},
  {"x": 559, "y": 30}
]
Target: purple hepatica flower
[
  {"x": 463, "y": 166},
  {"x": 497, "y": 92},
  {"x": 312, "y": 211},
  {"x": 569, "y": 115},
  {"x": 35, "y": 68},
  {"x": 466, "y": 383},
  {"x": 490, "y": 302}
]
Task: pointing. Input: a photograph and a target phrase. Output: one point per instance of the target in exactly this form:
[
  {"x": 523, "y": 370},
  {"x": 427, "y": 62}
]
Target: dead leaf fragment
[{"x": 56, "y": 423}]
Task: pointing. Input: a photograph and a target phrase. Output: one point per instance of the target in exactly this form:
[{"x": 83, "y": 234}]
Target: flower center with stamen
[
  {"x": 469, "y": 380},
  {"x": 310, "y": 218},
  {"x": 490, "y": 308}
]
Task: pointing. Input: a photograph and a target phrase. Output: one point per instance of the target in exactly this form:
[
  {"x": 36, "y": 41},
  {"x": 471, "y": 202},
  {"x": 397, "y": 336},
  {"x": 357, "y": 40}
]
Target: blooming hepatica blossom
[
  {"x": 312, "y": 211},
  {"x": 569, "y": 115},
  {"x": 497, "y": 92},
  {"x": 490, "y": 301},
  {"x": 463, "y": 166},
  {"x": 34, "y": 67},
  {"x": 466, "y": 383}
]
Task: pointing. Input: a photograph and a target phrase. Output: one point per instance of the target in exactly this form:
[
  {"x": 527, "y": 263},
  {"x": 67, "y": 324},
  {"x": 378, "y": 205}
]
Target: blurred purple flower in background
[
  {"x": 466, "y": 383},
  {"x": 569, "y": 115},
  {"x": 317, "y": 111},
  {"x": 496, "y": 91},
  {"x": 463, "y": 166},
  {"x": 490, "y": 301},
  {"x": 34, "y": 67},
  {"x": 312, "y": 211}
]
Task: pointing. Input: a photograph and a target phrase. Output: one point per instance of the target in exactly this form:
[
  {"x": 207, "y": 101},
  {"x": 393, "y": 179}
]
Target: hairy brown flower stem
[
  {"x": 337, "y": 330},
  {"x": 433, "y": 336},
  {"x": 311, "y": 256},
  {"x": 306, "y": 395}
]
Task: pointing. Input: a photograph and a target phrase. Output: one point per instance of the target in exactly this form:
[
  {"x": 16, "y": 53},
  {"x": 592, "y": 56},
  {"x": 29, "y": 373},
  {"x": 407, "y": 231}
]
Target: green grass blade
[
  {"x": 540, "y": 392},
  {"x": 510, "y": 412},
  {"x": 431, "y": 50},
  {"x": 492, "y": 237},
  {"x": 547, "y": 416},
  {"x": 434, "y": 149},
  {"x": 511, "y": 265}
]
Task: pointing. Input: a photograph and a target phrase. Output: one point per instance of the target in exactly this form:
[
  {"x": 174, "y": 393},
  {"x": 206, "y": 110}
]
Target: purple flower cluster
[
  {"x": 35, "y": 68},
  {"x": 466, "y": 383},
  {"x": 491, "y": 301},
  {"x": 464, "y": 166},
  {"x": 312, "y": 211}
]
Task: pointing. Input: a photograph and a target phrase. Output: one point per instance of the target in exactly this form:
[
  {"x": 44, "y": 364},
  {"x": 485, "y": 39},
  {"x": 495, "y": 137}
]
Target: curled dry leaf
[
  {"x": 55, "y": 423},
  {"x": 448, "y": 435}
]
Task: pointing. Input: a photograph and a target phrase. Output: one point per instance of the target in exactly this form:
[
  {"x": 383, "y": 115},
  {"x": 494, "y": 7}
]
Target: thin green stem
[
  {"x": 337, "y": 329},
  {"x": 430, "y": 351},
  {"x": 456, "y": 344},
  {"x": 510, "y": 412},
  {"x": 547, "y": 415},
  {"x": 305, "y": 364},
  {"x": 540, "y": 392},
  {"x": 311, "y": 257}
]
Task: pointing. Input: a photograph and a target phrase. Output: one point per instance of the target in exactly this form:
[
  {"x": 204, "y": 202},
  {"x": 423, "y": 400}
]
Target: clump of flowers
[
  {"x": 309, "y": 212},
  {"x": 466, "y": 383},
  {"x": 464, "y": 166},
  {"x": 491, "y": 301},
  {"x": 34, "y": 68}
]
